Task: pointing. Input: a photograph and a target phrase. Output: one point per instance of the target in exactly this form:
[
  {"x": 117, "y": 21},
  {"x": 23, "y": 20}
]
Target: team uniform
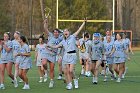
[
  {"x": 105, "y": 41},
  {"x": 119, "y": 54},
  {"x": 16, "y": 47},
  {"x": 41, "y": 51},
  {"x": 112, "y": 39},
  {"x": 87, "y": 44},
  {"x": 70, "y": 55},
  {"x": 25, "y": 61},
  {"x": 96, "y": 51},
  {"x": 7, "y": 56},
  {"x": 108, "y": 47},
  {"x": 126, "y": 46},
  {"x": 51, "y": 53},
  {"x": 60, "y": 53},
  {"x": 69, "y": 45}
]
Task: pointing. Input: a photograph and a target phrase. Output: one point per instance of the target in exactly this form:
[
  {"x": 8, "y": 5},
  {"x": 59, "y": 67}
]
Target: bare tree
[{"x": 42, "y": 8}]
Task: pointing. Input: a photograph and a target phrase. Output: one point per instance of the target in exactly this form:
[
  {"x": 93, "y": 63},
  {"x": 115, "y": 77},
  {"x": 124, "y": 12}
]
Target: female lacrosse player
[
  {"x": 70, "y": 56},
  {"x": 6, "y": 58},
  {"x": 25, "y": 61},
  {"x": 127, "y": 44},
  {"x": 96, "y": 56},
  {"x": 80, "y": 58},
  {"x": 84, "y": 53},
  {"x": 40, "y": 51},
  {"x": 59, "y": 60},
  {"x": 108, "y": 47},
  {"x": 119, "y": 56},
  {"x": 16, "y": 47},
  {"x": 50, "y": 56},
  {"x": 108, "y": 33}
]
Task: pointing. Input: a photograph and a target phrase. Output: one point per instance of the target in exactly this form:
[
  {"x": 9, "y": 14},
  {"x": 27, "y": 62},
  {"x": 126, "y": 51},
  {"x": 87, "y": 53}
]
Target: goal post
[{"x": 93, "y": 21}]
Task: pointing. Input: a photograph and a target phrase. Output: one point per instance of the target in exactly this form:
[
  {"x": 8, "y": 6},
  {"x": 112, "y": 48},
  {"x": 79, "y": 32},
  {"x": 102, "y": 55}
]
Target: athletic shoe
[
  {"x": 118, "y": 80},
  {"x": 51, "y": 85},
  {"x": 2, "y": 86},
  {"x": 45, "y": 78},
  {"x": 20, "y": 81},
  {"x": 113, "y": 77},
  {"x": 41, "y": 80},
  {"x": 69, "y": 86},
  {"x": 82, "y": 72},
  {"x": 103, "y": 72},
  {"x": 26, "y": 87},
  {"x": 87, "y": 74},
  {"x": 123, "y": 75},
  {"x": 76, "y": 83},
  {"x": 59, "y": 77},
  {"x": 15, "y": 83},
  {"x": 105, "y": 78},
  {"x": 94, "y": 81}
]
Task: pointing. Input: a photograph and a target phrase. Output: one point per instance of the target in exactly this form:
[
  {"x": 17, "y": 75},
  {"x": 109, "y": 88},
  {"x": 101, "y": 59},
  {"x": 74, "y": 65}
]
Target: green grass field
[{"x": 128, "y": 85}]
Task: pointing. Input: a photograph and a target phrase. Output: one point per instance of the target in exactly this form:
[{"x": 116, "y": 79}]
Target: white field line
[{"x": 91, "y": 77}]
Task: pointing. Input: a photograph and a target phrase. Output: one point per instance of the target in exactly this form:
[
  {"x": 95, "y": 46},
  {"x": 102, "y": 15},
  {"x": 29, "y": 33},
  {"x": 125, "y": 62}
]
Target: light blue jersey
[
  {"x": 16, "y": 48},
  {"x": 126, "y": 43},
  {"x": 7, "y": 56},
  {"x": 88, "y": 44},
  {"x": 112, "y": 39},
  {"x": 108, "y": 47},
  {"x": 41, "y": 49},
  {"x": 97, "y": 51},
  {"x": 41, "y": 53},
  {"x": 53, "y": 41},
  {"x": 69, "y": 45},
  {"x": 51, "y": 52},
  {"x": 119, "y": 54},
  {"x": 25, "y": 61}
]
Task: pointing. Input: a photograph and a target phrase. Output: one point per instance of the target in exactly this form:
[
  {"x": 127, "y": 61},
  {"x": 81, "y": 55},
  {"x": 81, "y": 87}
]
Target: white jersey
[
  {"x": 126, "y": 43},
  {"x": 25, "y": 61},
  {"x": 87, "y": 43},
  {"x": 41, "y": 49},
  {"x": 112, "y": 39},
  {"x": 7, "y": 56},
  {"x": 53, "y": 41},
  {"x": 69, "y": 44},
  {"x": 108, "y": 47},
  {"x": 16, "y": 46},
  {"x": 97, "y": 51},
  {"x": 119, "y": 54}
]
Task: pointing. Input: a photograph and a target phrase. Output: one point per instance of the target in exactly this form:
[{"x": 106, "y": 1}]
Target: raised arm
[
  {"x": 80, "y": 28},
  {"x": 46, "y": 26}
]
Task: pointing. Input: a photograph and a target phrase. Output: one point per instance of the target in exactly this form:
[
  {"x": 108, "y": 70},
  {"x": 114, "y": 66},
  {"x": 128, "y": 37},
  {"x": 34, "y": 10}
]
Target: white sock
[
  {"x": 46, "y": 72},
  {"x": 16, "y": 74}
]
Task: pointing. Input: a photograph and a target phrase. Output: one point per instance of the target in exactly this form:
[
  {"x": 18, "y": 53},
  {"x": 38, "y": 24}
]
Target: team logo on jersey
[{"x": 83, "y": 47}]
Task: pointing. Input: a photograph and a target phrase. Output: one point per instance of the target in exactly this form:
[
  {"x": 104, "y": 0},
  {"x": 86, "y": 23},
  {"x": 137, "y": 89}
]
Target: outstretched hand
[{"x": 85, "y": 19}]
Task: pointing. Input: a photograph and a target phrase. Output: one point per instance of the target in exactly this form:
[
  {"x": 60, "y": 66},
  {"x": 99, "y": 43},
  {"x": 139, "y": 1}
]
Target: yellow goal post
[{"x": 93, "y": 21}]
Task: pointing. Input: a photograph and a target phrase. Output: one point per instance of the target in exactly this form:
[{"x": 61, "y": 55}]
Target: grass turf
[{"x": 128, "y": 85}]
